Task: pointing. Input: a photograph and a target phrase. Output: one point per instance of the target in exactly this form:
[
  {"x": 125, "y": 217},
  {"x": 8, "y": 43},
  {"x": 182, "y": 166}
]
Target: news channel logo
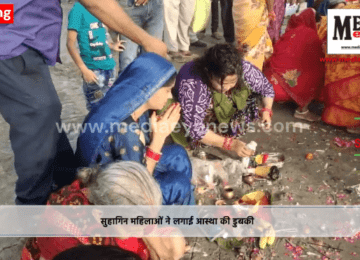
[
  {"x": 6, "y": 13},
  {"x": 343, "y": 31}
]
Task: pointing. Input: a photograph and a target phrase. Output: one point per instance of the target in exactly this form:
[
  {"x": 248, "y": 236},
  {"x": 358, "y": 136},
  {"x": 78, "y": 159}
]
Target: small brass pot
[
  {"x": 228, "y": 192},
  {"x": 249, "y": 179}
]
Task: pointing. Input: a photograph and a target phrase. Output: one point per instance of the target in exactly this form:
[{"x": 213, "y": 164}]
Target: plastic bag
[
  {"x": 205, "y": 171},
  {"x": 233, "y": 167},
  {"x": 201, "y": 15}
]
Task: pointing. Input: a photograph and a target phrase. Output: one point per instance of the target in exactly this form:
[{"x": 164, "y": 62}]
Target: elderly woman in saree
[
  {"x": 251, "y": 20},
  {"x": 220, "y": 90},
  {"x": 119, "y": 183},
  {"x": 295, "y": 69},
  {"x": 341, "y": 92},
  {"x": 123, "y": 115}
]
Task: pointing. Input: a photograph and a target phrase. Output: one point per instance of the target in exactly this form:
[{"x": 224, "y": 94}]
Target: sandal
[
  {"x": 176, "y": 57},
  {"x": 174, "y": 54},
  {"x": 353, "y": 130},
  {"x": 185, "y": 53},
  {"x": 307, "y": 115},
  {"x": 188, "y": 56}
]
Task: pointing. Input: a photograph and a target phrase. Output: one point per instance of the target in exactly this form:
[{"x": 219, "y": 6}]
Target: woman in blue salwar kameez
[{"x": 123, "y": 132}]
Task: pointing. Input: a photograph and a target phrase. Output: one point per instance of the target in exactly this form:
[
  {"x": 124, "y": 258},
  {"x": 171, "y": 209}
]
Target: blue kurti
[{"x": 173, "y": 171}]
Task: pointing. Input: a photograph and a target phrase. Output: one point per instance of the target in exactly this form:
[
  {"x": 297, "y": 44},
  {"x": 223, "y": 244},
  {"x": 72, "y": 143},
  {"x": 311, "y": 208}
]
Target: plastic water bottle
[{"x": 246, "y": 160}]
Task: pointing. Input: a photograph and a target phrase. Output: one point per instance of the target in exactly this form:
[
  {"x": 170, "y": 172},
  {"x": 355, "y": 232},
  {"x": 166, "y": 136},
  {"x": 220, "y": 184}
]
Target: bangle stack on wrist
[
  {"x": 227, "y": 143},
  {"x": 150, "y": 154},
  {"x": 267, "y": 110}
]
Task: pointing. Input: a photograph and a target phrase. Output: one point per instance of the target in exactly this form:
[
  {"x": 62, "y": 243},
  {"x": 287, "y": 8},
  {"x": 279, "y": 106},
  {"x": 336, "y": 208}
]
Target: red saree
[
  {"x": 295, "y": 69},
  {"x": 49, "y": 247}
]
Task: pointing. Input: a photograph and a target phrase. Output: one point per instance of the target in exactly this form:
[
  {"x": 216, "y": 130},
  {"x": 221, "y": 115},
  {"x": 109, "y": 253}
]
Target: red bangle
[
  {"x": 152, "y": 155},
  {"x": 227, "y": 143},
  {"x": 267, "y": 110}
]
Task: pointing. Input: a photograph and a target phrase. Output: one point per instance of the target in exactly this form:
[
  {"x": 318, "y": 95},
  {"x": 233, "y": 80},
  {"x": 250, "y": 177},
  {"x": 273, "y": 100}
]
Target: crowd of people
[
  {"x": 145, "y": 158},
  {"x": 297, "y": 73}
]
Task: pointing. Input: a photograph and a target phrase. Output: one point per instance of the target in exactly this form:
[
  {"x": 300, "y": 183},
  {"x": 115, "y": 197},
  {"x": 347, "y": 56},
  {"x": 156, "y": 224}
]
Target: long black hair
[{"x": 220, "y": 61}]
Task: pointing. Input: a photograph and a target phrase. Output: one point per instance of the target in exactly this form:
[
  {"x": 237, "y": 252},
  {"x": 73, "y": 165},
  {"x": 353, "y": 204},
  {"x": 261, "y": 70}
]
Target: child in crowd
[{"x": 95, "y": 60}]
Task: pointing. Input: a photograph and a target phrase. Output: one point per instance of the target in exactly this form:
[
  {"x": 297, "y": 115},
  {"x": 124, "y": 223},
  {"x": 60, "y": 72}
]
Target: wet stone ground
[{"x": 320, "y": 181}]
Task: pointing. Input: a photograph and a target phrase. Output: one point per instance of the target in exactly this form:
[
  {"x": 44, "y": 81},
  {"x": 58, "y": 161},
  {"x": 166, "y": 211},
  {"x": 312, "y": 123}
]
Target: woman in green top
[{"x": 218, "y": 90}]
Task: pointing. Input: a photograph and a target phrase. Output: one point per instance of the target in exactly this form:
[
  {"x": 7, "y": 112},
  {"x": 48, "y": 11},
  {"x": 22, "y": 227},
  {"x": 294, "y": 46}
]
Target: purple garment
[
  {"x": 274, "y": 28},
  {"x": 195, "y": 97},
  {"x": 37, "y": 24}
]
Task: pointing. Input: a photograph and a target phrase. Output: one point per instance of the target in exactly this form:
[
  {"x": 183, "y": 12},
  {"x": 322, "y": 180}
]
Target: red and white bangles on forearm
[{"x": 227, "y": 143}]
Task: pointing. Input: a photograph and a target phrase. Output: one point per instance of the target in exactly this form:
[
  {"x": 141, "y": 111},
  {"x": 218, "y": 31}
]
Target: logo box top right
[{"x": 343, "y": 31}]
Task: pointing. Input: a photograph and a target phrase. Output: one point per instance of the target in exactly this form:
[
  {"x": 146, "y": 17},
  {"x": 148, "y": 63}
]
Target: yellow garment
[
  {"x": 201, "y": 15},
  {"x": 251, "y": 36}
]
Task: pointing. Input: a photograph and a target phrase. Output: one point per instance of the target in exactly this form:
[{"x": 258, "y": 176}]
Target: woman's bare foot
[
  {"x": 307, "y": 115},
  {"x": 353, "y": 130}
]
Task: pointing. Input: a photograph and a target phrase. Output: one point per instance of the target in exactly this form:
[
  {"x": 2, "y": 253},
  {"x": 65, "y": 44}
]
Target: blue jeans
[
  {"x": 95, "y": 92},
  {"x": 149, "y": 17}
]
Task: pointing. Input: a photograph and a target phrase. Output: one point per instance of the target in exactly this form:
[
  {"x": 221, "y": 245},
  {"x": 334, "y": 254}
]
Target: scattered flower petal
[
  {"x": 290, "y": 198},
  {"x": 298, "y": 250},
  {"x": 256, "y": 250},
  {"x": 329, "y": 201},
  {"x": 349, "y": 239},
  {"x": 341, "y": 196},
  {"x": 289, "y": 246}
]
